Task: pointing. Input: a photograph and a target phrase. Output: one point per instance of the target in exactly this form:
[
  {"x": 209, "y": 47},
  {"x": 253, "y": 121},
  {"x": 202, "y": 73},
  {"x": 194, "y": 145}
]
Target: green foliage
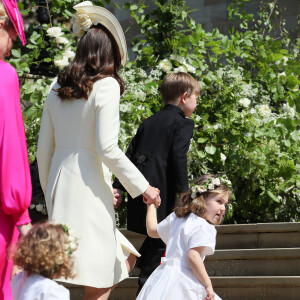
[{"x": 247, "y": 118}]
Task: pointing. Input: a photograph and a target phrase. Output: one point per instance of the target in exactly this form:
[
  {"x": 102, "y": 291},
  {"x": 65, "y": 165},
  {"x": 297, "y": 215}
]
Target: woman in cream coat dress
[{"x": 78, "y": 144}]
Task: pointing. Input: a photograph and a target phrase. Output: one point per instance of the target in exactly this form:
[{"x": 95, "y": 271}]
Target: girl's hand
[
  {"x": 24, "y": 228},
  {"x": 117, "y": 198},
  {"x": 152, "y": 196},
  {"x": 210, "y": 293}
]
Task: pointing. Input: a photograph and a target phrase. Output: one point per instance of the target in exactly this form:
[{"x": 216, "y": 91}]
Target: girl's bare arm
[
  {"x": 198, "y": 268},
  {"x": 151, "y": 221}
]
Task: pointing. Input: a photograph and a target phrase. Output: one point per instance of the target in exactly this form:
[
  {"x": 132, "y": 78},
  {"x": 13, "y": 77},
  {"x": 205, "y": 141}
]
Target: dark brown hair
[
  {"x": 97, "y": 56},
  {"x": 43, "y": 251},
  {"x": 176, "y": 84},
  {"x": 187, "y": 205}
]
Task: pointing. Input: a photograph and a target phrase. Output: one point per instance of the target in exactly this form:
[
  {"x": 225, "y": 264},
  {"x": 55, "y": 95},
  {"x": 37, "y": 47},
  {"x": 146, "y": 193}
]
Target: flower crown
[
  {"x": 210, "y": 184},
  {"x": 72, "y": 239}
]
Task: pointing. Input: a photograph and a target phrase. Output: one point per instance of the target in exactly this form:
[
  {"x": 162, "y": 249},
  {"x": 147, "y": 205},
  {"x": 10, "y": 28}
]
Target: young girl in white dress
[
  {"x": 190, "y": 235},
  {"x": 45, "y": 253}
]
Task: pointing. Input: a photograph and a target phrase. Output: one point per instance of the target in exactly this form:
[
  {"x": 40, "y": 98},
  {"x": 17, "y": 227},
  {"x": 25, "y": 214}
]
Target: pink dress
[{"x": 15, "y": 182}]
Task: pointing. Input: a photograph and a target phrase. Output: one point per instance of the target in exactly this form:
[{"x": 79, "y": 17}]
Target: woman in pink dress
[{"x": 15, "y": 184}]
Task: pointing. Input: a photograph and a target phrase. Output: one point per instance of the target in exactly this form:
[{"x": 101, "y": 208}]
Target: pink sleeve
[{"x": 15, "y": 181}]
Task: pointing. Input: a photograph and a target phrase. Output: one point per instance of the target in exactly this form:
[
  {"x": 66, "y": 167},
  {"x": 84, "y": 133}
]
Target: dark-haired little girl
[
  {"x": 44, "y": 253},
  {"x": 190, "y": 235}
]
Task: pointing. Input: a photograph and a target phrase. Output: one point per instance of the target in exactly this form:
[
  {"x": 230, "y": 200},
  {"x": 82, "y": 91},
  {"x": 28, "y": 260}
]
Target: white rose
[
  {"x": 69, "y": 54},
  {"x": 61, "y": 63},
  {"x": 32, "y": 206},
  {"x": 223, "y": 157},
  {"x": 245, "y": 102},
  {"x": 252, "y": 111},
  {"x": 264, "y": 110},
  {"x": 54, "y": 32},
  {"x": 61, "y": 40},
  {"x": 39, "y": 207},
  {"x": 165, "y": 65}
]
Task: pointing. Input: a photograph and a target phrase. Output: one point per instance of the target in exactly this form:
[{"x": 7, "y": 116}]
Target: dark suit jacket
[{"x": 159, "y": 150}]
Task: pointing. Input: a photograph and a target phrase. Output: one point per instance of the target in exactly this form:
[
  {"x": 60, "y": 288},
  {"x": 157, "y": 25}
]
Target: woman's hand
[
  {"x": 151, "y": 195},
  {"x": 117, "y": 198},
  {"x": 24, "y": 228}
]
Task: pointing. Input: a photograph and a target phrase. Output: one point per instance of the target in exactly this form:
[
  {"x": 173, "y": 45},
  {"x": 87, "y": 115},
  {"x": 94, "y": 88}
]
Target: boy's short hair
[{"x": 176, "y": 84}]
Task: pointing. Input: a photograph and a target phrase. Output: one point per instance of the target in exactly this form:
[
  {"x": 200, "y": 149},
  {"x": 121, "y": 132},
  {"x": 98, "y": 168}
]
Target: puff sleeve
[
  {"x": 164, "y": 227},
  {"x": 199, "y": 233},
  {"x": 107, "y": 98},
  {"x": 15, "y": 182}
]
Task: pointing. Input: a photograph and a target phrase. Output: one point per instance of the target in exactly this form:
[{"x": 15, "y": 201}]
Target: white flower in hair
[
  {"x": 216, "y": 181},
  {"x": 201, "y": 189},
  {"x": 211, "y": 186},
  {"x": 194, "y": 195}
]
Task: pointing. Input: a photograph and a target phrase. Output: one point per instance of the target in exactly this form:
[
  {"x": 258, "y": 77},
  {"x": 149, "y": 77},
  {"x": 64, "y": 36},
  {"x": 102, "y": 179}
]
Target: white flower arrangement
[
  {"x": 209, "y": 185},
  {"x": 288, "y": 110},
  {"x": 244, "y": 102},
  {"x": 264, "y": 110},
  {"x": 165, "y": 65}
]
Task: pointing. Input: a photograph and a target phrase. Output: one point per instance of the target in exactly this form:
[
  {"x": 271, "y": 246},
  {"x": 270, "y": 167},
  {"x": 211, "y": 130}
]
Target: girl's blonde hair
[
  {"x": 4, "y": 16},
  {"x": 44, "y": 250},
  {"x": 197, "y": 205}
]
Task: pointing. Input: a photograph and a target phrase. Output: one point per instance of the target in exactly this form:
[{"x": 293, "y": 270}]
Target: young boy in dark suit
[{"x": 159, "y": 150}]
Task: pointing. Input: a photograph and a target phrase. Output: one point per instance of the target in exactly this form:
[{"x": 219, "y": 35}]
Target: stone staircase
[{"x": 252, "y": 262}]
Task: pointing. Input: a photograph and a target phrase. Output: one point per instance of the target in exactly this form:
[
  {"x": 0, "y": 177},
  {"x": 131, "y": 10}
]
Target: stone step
[
  {"x": 260, "y": 235},
  {"x": 246, "y": 236},
  {"x": 254, "y": 262},
  {"x": 233, "y": 288},
  {"x": 228, "y": 288}
]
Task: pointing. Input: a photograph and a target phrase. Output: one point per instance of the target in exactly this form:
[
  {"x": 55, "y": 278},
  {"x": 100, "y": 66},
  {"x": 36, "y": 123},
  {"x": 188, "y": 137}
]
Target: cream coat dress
[{"x": 77, "y": 148}]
